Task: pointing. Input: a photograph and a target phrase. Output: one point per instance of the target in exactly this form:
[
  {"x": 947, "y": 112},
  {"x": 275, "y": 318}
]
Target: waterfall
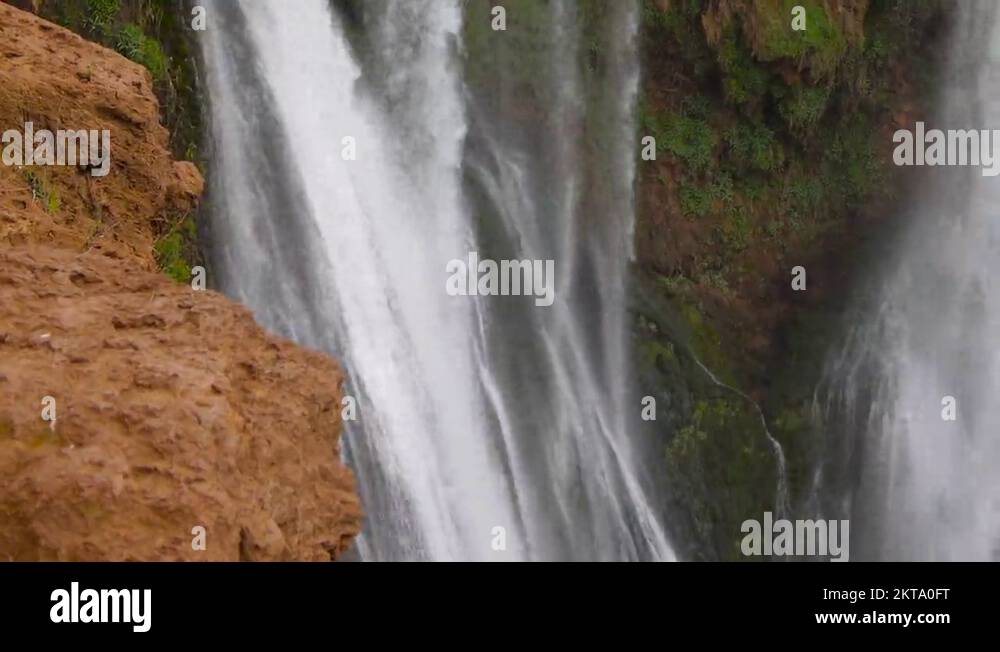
[
  {"x": 919, "y": 486},
  {"x": 488, "y": 428}
]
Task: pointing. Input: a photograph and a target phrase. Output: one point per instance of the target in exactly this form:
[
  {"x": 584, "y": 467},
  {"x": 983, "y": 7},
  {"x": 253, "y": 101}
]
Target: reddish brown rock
[
  {"x": 174, "y": 410},
  {"x": 55, "y": 79}
]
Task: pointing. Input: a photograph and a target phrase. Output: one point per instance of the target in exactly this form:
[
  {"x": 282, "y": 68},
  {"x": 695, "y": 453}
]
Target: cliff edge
[{"x": 181, "y": 429}]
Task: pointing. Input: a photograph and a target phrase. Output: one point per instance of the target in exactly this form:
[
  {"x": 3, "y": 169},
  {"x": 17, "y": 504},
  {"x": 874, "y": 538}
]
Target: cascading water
[
  {"x": 550, "y": 164},
  {"x": 918, "y": 486},
  {"x": 475, "y": 413}
]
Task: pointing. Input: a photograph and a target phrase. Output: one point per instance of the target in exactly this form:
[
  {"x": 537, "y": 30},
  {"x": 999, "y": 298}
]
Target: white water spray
[
  {"x": 923, "y": 487},
  {"x": 449, "y": 445}
]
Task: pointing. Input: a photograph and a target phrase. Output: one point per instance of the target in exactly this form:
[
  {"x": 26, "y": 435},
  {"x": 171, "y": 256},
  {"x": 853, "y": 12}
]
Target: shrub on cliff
[
  {"x": 101, "y": 15},
  {"x": 133, "y": 43}
]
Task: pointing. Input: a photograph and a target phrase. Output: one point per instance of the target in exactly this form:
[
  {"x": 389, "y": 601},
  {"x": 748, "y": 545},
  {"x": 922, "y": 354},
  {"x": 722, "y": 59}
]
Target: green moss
[
  {"x": 176, "y": 248},
  {"x": 678, "y": 23},
  {"x": 706, "y": 343},
  {"x": 754, "y": 146},
  {"x": 696, "y": 201},
  {"x": 737, "y": 231},
  {"x": 852, "y": 164},
  {"x": 821, "y": 45},
  {"x": 723, "y": 189},
  {"x": 676, "y": 286},
  {"x": 658, "y": 354},
  {"x": 722, "y": 471},
  {"x": 54, "y": 203},
  {"x": 697, "y": 106},
  {"x": 802, "y": 195},
  {"x": 654, "y": 17},
  {"x": 779, "y": 143},
  {"x": 744, "y": 80},
  {"x": 804, "y": 107},
  {"x": 690, "y": 139},
  {"x": 42, "y": 190}
]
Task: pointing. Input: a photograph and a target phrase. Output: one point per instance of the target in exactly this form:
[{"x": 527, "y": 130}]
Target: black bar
[{"x": 436, "y": 602}]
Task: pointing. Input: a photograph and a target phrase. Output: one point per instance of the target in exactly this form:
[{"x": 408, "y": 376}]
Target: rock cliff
[
  {"x": 773, "y": 124},
  {"x": 173, "y": 410}
]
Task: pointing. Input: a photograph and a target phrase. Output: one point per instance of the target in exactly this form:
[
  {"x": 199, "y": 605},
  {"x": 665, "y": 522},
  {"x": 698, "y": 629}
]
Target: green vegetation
[
  {"x": 744, "y": 80},
  {"x": 101, "y": 14},
  {"x": 802, "y": 196},
  {"x": 770, "y": 141},
  {"x": 695, "y": 200},
  {"x": 42, "y": 191},
  {"x": 754, "y": 147},
  {"x": 777, "y": 127},
  {"x": 804, "y": 107},
  {"x": 134, "y": 44},
  {"x": 737, "y": 231},
  {"x": 721, "y": 463},
  {"x": 154, "y": 34},
  {"x": 130, "y": 41},
  {"x": 174, "y": 250},
  {"x": 706, "y": 343},
  {"x": 690, "y": 139},
  {"x": 659, "y": 354},
  {"x": 822, "y": 45}
]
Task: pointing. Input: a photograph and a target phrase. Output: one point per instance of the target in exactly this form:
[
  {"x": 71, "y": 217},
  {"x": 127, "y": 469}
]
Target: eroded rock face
[
  {"x": 173, "y": 409},
  {"x": 55, "y": 80}
]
